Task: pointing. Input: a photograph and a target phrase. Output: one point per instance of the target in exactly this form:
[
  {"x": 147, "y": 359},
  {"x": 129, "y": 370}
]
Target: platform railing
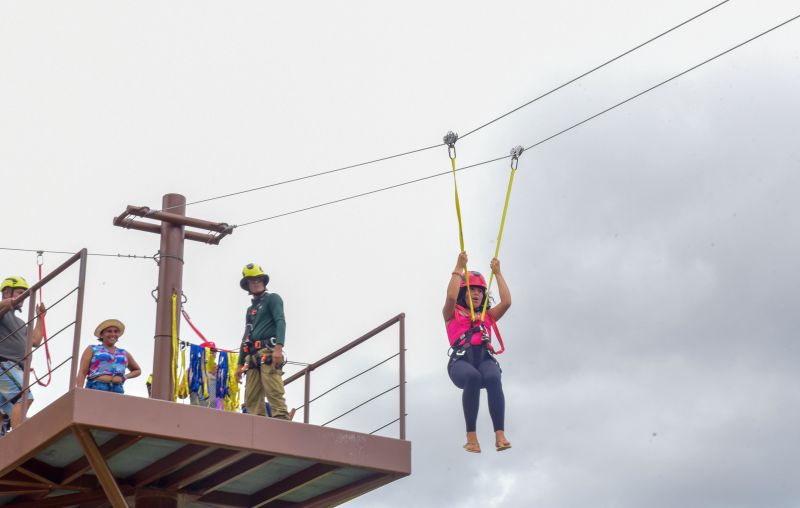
[
  {"x": 30, "y": 294},
  {"x": 306, "y": 374}
]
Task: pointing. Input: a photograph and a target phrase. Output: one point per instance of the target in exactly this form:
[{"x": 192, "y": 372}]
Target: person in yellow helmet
[
  {"x": 261, "y": 353},
  {"x": 13, "y": 345}
]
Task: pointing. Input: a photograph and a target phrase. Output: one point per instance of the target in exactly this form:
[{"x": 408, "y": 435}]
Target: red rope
[
  {"x": 44, "y": 336},
  {"x": 200, "y": 334}
]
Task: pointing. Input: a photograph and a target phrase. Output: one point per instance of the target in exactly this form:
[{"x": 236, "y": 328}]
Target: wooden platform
[{"x": 88, "y": 447}]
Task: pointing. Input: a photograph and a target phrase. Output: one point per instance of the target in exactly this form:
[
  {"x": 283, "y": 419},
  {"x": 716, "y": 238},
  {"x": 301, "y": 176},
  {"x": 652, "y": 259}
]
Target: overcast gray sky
[{"x": 651, "y": 253}]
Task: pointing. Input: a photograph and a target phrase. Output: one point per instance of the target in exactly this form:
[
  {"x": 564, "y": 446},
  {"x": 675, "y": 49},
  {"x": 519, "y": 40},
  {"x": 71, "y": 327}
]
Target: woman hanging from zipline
[{"x": 472, "y": 364}]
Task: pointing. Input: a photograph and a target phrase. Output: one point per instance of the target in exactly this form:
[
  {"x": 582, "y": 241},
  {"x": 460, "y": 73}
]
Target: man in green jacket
[{"x": 261, "y": 353}]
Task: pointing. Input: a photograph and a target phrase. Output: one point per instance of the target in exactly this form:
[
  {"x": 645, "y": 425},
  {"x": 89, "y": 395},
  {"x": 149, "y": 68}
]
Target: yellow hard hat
[
  {"x": 14, "y": 281},
  {"x": 252, "y": 270}
]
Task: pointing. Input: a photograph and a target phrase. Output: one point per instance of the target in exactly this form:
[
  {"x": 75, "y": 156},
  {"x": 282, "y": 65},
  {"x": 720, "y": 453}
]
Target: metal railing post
[
  {"x": 402, "y": 376},
  {"x": 26, "y": 364},
  {"x": 76, "y": 340},
  {"x": 307, "y": 397}
]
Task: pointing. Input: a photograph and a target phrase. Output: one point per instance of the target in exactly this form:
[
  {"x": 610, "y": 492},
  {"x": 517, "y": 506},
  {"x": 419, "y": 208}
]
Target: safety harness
[
  {"x": 251, "y": 347},
  {"x": 462, "y": 347}
]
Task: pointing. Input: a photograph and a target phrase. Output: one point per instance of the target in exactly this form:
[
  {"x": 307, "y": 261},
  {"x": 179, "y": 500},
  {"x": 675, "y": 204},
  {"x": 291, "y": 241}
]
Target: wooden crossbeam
[
  {"x": 109, "y": 449},
  {"x": 199, "y": 469},
  {"x": 230, "y": 473},
  {"x": 168, "y": 464},
  {"x": 287, "y": 485}
]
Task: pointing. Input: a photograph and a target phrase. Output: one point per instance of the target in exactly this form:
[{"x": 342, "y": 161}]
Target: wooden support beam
[
  {"x": 199, "y": 469},
  {"x": 7, "y": 490},
  {"x": 230, "y": 473},
  {"x": 112, "y": 447},
  {"x": 67, "y": 499},
  {"x": 167, "y": 465},
  {"x": 15, "y": 478},
  {"x": 348, "y": 492},
  {"x": 287, "y": 485},
  {"x": 107, "y": 480},
  {"x": 218, "y": 498},
  {"x": 40, "y": 471}
]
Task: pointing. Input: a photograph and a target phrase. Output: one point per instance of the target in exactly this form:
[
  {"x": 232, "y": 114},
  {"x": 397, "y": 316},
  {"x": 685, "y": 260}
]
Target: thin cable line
[
  {"x": 22, "y": 392},
  {"x": 594, "y": 69},
  {"x": 306, "y": 177},
  {"x": 363, "y": 403},
  {"x": 661, "y": 83},
  {"x": 348, "y": 380},
  {"x": 36, "y": 315},
  {"x": 132, "y": 256},
  {"x": 409, "y": 182},
  {"x": 536, "y": 144},
  {"x": 383, "y": 427},
  {"x": 410, "y": 152}
]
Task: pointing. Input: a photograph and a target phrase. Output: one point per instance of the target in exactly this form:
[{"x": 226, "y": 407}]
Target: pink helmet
[{"x": 475, "y": 280}]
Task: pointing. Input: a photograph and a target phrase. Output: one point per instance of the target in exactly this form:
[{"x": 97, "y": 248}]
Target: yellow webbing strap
[
  {"x": 461, "y": 234},
  {"x": 182, "y": 389},
  {"x": 208, "y": 368},
  {"x": 174, "y": 346},
  {"x": 232, "y": 400},
  {"x": 514, "y": 159}
]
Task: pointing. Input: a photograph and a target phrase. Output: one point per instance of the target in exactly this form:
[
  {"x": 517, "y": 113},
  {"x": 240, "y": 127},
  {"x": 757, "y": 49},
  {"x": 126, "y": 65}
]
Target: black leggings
[{"x": 471, "y": 378}]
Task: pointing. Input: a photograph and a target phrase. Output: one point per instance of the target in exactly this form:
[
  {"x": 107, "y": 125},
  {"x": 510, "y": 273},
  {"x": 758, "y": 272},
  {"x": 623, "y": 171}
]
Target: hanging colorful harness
[
  {"x": 478, "y": 324},
  {"x": 200, "y": 362}
]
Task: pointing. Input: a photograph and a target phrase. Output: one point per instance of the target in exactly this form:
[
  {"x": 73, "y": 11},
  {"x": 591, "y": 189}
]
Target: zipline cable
[
  {"x": 559, "y": 87},
  {"x": 362, "y": 194},
  {"x": 663, "y": 82},
  {"x": 132, "y": 256},
  {"x": 534, "y": 145},
  {"x": 423, "y": 149}
]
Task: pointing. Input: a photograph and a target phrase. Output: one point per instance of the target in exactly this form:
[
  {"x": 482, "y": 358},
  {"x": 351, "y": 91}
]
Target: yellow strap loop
[
  {"x": 182, "y": 389},
  {"x": 461, "y": 238},
  {"x": 232, "y": 400},
  {"x": 174, "y": 346},
  {"x": 499, "y": 236}
]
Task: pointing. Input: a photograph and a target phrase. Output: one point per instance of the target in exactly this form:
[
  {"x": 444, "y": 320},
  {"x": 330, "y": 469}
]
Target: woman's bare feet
[
  {"x": 500, "y": 441},
  {"x": 472, "y": 445}
]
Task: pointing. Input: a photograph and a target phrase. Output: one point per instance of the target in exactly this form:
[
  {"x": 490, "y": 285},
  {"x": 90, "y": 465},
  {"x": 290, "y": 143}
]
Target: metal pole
[
  {"x": 306, "y": 403},
  {"x": 76, "y": 340},
  {"x": 26, "y": 365},
  {"x": 402, "y": 376},
  {"x": 170, "y": 278}
]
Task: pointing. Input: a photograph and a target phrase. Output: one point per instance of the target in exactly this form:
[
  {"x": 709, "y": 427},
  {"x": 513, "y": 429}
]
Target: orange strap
[{"x": 49, "y": 374}]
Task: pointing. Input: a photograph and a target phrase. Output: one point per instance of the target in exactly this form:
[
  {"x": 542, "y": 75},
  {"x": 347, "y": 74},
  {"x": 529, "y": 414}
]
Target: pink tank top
[{"x": 461, "y": 323}]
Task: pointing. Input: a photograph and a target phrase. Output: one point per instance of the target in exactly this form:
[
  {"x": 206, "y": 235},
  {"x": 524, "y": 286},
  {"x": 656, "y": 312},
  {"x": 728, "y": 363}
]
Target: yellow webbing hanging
[
  {"x": 232, "y": 400},
  {"x": 208, "y": 368},
  {"x": 515, "y": 153},
  {"x": 174, "y": 346},
  {"x": 182, "y": 389},
  {"x": 450, "y": 140}
]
